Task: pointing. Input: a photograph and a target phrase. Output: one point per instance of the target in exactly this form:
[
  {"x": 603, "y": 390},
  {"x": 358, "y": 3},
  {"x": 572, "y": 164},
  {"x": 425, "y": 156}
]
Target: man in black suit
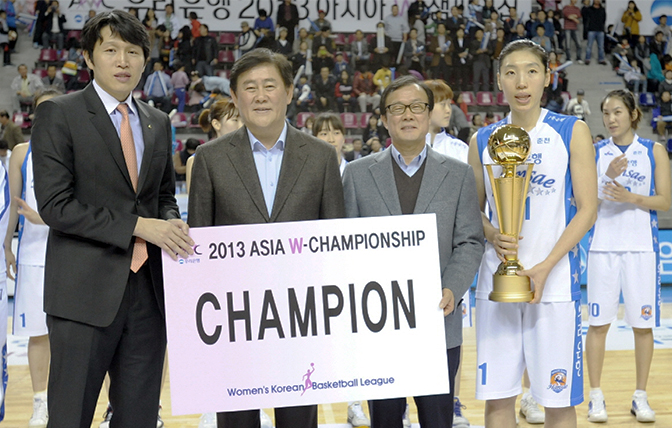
[
  {"x": 266, "y": 172},
  {"x": 104, "y": 183}
]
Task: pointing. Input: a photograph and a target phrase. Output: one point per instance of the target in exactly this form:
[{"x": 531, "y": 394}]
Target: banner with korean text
[{"x": 287, "y": 314}]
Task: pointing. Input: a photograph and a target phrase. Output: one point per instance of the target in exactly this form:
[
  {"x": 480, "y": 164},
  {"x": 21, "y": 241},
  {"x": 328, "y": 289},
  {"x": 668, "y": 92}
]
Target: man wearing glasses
[{"x": 411, "y": 178}]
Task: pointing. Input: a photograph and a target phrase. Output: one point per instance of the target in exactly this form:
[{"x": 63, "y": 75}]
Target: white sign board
[{"x": 287, "y": 314}]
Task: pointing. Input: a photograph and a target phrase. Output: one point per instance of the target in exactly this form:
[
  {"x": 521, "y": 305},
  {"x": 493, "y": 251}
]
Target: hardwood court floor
[{"x": 618, "y": 385}]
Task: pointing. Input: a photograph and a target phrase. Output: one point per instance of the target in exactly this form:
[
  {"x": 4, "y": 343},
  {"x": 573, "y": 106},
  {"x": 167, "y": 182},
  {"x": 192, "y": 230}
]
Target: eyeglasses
[{"x": 398, "y": 109}]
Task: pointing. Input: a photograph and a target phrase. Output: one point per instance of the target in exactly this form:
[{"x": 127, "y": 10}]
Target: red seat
[
  {"x": 179, "y": 120},
  {"x": 352, "y": 38},
  {"x": 193, "y": 121},
  {"x": 83, "y": 76},
  {"x": 349, "y": 120},
  {"x": 302, "y": 117},
  {"x": 364, "y": 120},
  {"x": 227, "y": 39},
  {"x": 485, "y": 99},
  {"x": 470, "y": 116},
  {"x": 370, "y": 37},
  {"x": 497, "y": 117},
  {"x": 73, "y": 34},
  {"x": 21, "y": 119},
  {"x": 339, "y": 39},
  {"x": 48, "y": 55},
  {"x": 501, "y": 101},
  {"x": 469, "y": 98},
  {"x": 224, "y": 73},
  {"x": 40, "y": 72},
  {"x": 226, "y": 57}
]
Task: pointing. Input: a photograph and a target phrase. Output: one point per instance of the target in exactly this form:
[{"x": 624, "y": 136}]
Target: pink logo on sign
[{"x": 308, "y": 383}]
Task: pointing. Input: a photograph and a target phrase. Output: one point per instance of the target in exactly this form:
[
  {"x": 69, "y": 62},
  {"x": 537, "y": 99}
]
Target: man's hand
[
  {"x": 172, "y": 236},
  {"x": 447, "y": 302}
]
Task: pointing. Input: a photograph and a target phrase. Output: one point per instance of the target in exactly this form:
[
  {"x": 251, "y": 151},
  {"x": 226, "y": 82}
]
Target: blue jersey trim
[
  {"x": 22, "y": 219},
  {"x": 576, "y": 396}
]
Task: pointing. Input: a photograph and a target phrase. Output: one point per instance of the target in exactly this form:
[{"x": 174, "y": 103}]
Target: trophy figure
[{"x": 509, "y": 146}]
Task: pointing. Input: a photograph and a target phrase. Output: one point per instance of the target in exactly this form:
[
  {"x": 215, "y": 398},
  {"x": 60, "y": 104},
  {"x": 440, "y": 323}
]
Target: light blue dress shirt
[
  {"x": 111, "y": 104},
  {"x": 268, "y": 163},
  {"x": 415, "y": 164}
]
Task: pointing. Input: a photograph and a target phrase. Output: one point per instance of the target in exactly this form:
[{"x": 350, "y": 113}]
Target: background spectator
[
  {"x": 288, "y": 17},
  {"x": 324, "y": 86},
  {"x": 51, "y": 79},
  {"x": 630, "y": 20},
  {"x": 572, "y": 15},
  {"x": 247, "y": 38},
  {"x": 460, "y": 61},
  {"x": 53, "y": 26},
  {"x": 359, "y": 50},
  {"x": 282, "y": 44},
  {"x": 344, "y": 92},
  {"x": 195, "y": 25},
  {"x": 205, "y": 52},
  {"x": 480, "y": 47},
  {"x": 441, "y": 47},
  {"x": 303, "y": 37},
  {"x": 594, "y": 19},
  {"x": 4, "y": 39},
  {"x": 396, "y": 28},
  {"x": 24, "y": 86},
  {"x": 171, "y": 21},
  {"x": 263, "y": 25},
  {"x": 180, "y": 158},
  {"x": 180, "y": 81},
  {"x": 11, "y": 133},
  {"x": 365, "y": 90},
  {"x": 321, "y": 22},
  {"x": 158, "y": 88}
]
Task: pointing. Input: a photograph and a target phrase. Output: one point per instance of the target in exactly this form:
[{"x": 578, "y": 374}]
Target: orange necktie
[{"x": 128, "y": 147}]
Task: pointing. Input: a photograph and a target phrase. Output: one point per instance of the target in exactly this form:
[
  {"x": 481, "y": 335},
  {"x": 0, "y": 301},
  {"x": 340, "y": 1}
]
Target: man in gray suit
[
  {"x": 411, "y": 178},
  {"x": 265, "y": 172}
]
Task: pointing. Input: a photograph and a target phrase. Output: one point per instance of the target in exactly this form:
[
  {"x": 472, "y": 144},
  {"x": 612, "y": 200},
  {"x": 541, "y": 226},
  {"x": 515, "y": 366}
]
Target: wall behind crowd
[
  {"x": 226, "y": 15},
  {"x": 650, "y": 9}
]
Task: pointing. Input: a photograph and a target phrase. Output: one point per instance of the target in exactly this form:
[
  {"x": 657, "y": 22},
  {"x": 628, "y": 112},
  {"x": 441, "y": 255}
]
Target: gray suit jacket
[
  {"x": 225, "y": 186},
  {"x": 448, "y": 189}
]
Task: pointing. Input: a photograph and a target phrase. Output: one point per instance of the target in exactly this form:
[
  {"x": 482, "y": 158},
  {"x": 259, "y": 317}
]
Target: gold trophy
[{"x": 509, "y": 146}]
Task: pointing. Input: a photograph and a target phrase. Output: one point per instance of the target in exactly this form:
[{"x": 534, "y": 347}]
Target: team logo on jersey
[
  {"x": 647, "y": 312},
  {"x": 558, "y": 380}
]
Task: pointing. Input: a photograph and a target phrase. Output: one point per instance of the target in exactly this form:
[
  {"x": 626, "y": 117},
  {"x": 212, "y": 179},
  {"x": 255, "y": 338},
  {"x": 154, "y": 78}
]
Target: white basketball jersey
[
  {"x": 450, "y": 146},
  {"x": 549, "y": 206},
  {"x": 622, "y": 226},
  {"x": 32, "y": 237}
]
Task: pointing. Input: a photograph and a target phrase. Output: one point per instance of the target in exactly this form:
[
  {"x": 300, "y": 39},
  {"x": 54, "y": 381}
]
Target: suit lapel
[
  {"x": 108, "y": 133},
  {"x": 293, "y": 161},
  {"x": 243, "y": 162},
  {"x": 435, "y": 172},
  {"x": 383, "y": 176},
  {"x": 148, "y": 136}
]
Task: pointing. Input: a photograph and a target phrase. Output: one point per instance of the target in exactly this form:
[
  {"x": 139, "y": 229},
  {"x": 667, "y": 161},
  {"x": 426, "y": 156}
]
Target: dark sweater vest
[{"x": 408, "y": 187}]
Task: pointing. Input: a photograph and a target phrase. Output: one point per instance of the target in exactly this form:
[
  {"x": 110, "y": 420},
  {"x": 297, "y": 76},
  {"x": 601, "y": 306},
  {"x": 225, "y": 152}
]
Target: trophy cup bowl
[{"x": 509, "y": 147}]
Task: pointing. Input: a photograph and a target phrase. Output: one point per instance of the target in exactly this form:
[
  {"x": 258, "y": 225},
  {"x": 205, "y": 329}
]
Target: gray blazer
[
  {"x": 448, "y": 189},
  {"x": 225, "y": 186}
]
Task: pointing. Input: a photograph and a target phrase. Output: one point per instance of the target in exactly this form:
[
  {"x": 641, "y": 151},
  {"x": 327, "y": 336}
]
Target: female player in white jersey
[
  {"x": 29, "y": 317},
  {"x": 633, "y": 183},
  {"x": 544, "y": 335}
]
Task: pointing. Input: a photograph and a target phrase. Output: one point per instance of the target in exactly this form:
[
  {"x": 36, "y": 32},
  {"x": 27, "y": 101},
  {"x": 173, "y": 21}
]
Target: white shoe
[
  {"x": 356, "y": 416},
  {"x": 208, "y": 420},
  {"x": 459, "y": 421},
  {"x": 597, "y": 409},
  {"x": 159, "y": 421},
  {"x": 266, "y": 421},
  {"x": 107, "y": 417},
  {"x": 40, "y": 415},
  {"x": 529, "y": 409},
  {"x": 406, "y": 419},
  {"x": 641, "y": 409},
  {"x": 580, "y": 62}
]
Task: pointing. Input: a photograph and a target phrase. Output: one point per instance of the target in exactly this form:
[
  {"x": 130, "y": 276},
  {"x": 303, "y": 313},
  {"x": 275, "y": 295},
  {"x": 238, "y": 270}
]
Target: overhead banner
[
  {"x": 289, "y": 314},
  {"x": 226, "y": 15}
]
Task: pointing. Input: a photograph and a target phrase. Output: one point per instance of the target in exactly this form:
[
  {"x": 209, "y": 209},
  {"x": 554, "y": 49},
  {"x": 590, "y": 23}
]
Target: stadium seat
[
  {"x": 302, "y": 117},
  {"x": 470, "y": 116},
  {"x": 225, "y": 57},
  {"x": 484, "y": 98},
  {"x": 339, "y": 39},
  {"x": 40, "y": 72},
  {"x": 21, "y": 119},
  {"x": 227, "y": 39},
  {"x": 647, "y": 99},
  {"x": 83, "y": 76},
  {"x": 179, "y": 120},
  {"x": 73, "y": 34},
  {"x": 497, "y": 117},
  {"x": 364, "y": 120},
  {"x": 349, "y": 120},
  {"x": 48, "y": 55},
  {"x": 501, "y": 101},
  {"x": 224, "y": 73},
  {"x": 469, "y": 98},
  {"x": 352, "y": 38}
]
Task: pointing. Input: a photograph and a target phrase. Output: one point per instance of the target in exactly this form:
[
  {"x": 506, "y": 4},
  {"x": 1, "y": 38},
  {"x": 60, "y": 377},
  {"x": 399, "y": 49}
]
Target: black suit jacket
[
  {"x": 225, "y": 188},
  {"x": 85, "y": 196}
]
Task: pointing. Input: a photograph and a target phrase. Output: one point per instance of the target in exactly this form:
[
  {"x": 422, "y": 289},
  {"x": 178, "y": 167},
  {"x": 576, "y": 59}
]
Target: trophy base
[{"x": 510, "y": 288}]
